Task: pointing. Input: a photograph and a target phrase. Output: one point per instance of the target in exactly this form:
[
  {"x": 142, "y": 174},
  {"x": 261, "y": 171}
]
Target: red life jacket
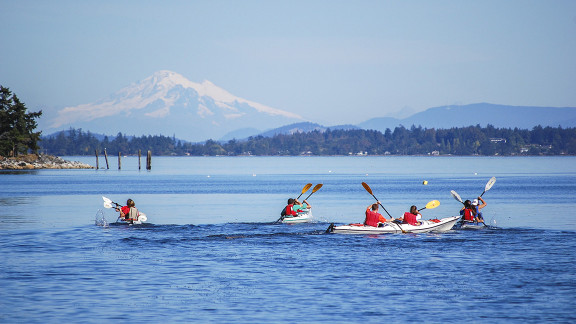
[
  {"x": 372, "y": 218},
  {"x": 289, "y": 211},
  {"x": 468, "y": 215},
  {"x": 410, "y": 218},
  {"x": 126, "y": 211}
]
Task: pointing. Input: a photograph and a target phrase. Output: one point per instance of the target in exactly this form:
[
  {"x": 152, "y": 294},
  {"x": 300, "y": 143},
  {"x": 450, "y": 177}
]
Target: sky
[{"x": 333, "y": 62}]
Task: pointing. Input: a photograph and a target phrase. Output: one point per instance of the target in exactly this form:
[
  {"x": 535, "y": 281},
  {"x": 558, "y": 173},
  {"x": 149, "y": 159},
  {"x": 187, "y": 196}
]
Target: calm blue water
[{"x": 212, "y": 252}]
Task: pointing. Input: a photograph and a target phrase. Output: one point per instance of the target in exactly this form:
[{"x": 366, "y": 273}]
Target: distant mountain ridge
[
  {"x": 523, "y": 117},
  {"x": 447, "y": 117}
]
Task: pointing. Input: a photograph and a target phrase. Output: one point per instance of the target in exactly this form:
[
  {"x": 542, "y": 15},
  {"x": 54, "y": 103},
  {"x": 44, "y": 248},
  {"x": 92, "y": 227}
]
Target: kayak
[
  {"x": 303, "y": 217},
  {"x": 141, "y": 220},
  {"x": 463, "y": 225},
  {"x": 100, "y": 220},
  {"x": 435, "y": 225}
]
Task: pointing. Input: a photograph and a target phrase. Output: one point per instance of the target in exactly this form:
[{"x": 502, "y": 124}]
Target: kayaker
[
  {"x": 373, "y": 217},
  {"x": 468, "y": 212},
  {"x": 412, "y": 216},
  {"x": 300, "y": 206},
  {"x": 478, "y": 208},
  {"x": 128, "y": 213},
  {"x": 289, "y": 209}
]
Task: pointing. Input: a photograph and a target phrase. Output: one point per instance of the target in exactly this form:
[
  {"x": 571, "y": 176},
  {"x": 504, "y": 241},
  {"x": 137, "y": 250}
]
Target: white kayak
[
  {"x": 303, "y": 217},
  {"x": 141, "y": 220},
  {"x": 467, "y": 225},
  {"x": 101, "y": 220},
  {"x": 436, "y": 226}
]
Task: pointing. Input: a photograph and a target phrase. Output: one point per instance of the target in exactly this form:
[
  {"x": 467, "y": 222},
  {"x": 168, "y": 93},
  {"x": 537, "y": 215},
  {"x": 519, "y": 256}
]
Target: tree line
[{"x": 472, "y": 140}]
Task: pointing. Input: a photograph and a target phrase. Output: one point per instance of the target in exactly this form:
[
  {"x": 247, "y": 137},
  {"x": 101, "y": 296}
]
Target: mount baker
[{"x": 168, "y": 103}]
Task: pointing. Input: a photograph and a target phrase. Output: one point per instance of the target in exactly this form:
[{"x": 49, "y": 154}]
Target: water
[{"x": 212, "y": 252}]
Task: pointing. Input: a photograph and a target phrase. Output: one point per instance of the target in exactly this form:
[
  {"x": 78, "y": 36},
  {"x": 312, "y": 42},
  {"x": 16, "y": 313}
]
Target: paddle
[
  {"x": 367, "y": 187},
  {"x": 456, "y": 196},
  {"x": 489, "y": 185},
  {"x": 108, "y": 203},
  {"x": 316, "y": 188},
  {"x": 431, "y": 205},
  {"x": 306, "y": 187}
]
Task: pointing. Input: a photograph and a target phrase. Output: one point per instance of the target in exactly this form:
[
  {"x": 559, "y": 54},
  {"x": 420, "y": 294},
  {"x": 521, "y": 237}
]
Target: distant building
[{"x": 498, "y": 140}]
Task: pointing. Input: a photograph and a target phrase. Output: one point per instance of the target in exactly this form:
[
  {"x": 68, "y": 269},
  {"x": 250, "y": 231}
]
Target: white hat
[{"x": 475, "y": 202}]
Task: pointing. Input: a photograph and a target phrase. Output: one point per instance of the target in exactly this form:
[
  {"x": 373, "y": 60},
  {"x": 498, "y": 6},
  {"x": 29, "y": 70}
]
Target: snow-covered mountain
[{"x": 169, "y": 104}]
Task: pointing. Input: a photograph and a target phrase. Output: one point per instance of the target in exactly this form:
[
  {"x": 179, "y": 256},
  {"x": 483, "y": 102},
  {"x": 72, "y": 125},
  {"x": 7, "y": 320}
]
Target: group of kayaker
[
  {"x": 294, "y": 206},
  {"x": 471, "y": 212},
  {"x": 374, "y": 218}
]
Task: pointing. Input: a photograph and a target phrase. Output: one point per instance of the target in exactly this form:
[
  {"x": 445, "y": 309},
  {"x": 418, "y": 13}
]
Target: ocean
[{"x": 212, "y": 251}]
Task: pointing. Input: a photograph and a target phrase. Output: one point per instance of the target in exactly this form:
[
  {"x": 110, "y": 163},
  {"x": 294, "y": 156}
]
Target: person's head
[
  {"x": 475, "y": 202},
  {"x": 467, "y": 203},
  {"x": 374, "y": 207},
  {"x": 413, "y": 210},
  {"x": 130, "y": 203},
  {"x": 290, "y": 201}
]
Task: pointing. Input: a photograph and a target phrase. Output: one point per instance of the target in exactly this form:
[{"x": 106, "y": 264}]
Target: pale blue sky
[{"x": 333, "y": 62}]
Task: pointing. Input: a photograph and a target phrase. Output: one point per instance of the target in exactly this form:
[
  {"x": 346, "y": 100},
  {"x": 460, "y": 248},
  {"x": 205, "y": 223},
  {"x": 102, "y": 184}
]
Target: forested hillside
[{"x": 473, "y": 140}]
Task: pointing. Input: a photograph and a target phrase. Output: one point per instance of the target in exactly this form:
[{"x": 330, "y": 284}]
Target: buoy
[{"x": 424, "y": 182}]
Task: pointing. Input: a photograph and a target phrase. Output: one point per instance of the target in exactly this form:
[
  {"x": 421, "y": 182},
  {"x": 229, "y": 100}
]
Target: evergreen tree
[{"x": 17, "y": 127}]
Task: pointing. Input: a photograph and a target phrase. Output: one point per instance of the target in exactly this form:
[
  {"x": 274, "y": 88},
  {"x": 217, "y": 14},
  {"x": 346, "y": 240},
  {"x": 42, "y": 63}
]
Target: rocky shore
[{"x": 33, "y": 161}]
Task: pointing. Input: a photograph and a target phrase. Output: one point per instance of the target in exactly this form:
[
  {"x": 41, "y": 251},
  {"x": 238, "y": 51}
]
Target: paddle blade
[
  {"x": 490, "y": 183},
  {"x": 367, "y": 187},
  {"x": 433, "y": 204},
  {"x": 107, "y": 205},
  {"x": 317, "y": 187},
  {"x": 306, "y": 187},
  {"x": 107, "y": 200},
  {"x": 456, "y": 196}
]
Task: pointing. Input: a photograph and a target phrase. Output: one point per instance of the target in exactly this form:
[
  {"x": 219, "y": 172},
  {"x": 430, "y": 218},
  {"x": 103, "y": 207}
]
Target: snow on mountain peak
[{"x": 162, "y": 87}]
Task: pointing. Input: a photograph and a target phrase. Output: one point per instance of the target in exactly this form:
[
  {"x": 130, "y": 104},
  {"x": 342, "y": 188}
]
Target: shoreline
[{"x": 33, "y": 162}]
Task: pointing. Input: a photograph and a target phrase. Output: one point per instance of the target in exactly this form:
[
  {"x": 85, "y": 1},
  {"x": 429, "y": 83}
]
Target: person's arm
[
  {"x": 307, "y": 204},
  {"x": 483, "y": 203},
  {"x": 418, "y": 216},
  {"x": 383, "y": 219}
]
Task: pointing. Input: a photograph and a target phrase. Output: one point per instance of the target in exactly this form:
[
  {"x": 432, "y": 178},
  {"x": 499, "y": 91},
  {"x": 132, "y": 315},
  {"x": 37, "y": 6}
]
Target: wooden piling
[
  {"x": 149, "y": 161},
  {"x": 96, "y": 153},
  {"x": 106, "y": 158},
  {"x": 139, "y": 156},
  {"x": 119, "y": 162}
]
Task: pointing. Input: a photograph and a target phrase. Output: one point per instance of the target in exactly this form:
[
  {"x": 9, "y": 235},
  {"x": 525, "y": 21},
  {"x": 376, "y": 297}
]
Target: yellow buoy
[{"x": 424, "y": 182}]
